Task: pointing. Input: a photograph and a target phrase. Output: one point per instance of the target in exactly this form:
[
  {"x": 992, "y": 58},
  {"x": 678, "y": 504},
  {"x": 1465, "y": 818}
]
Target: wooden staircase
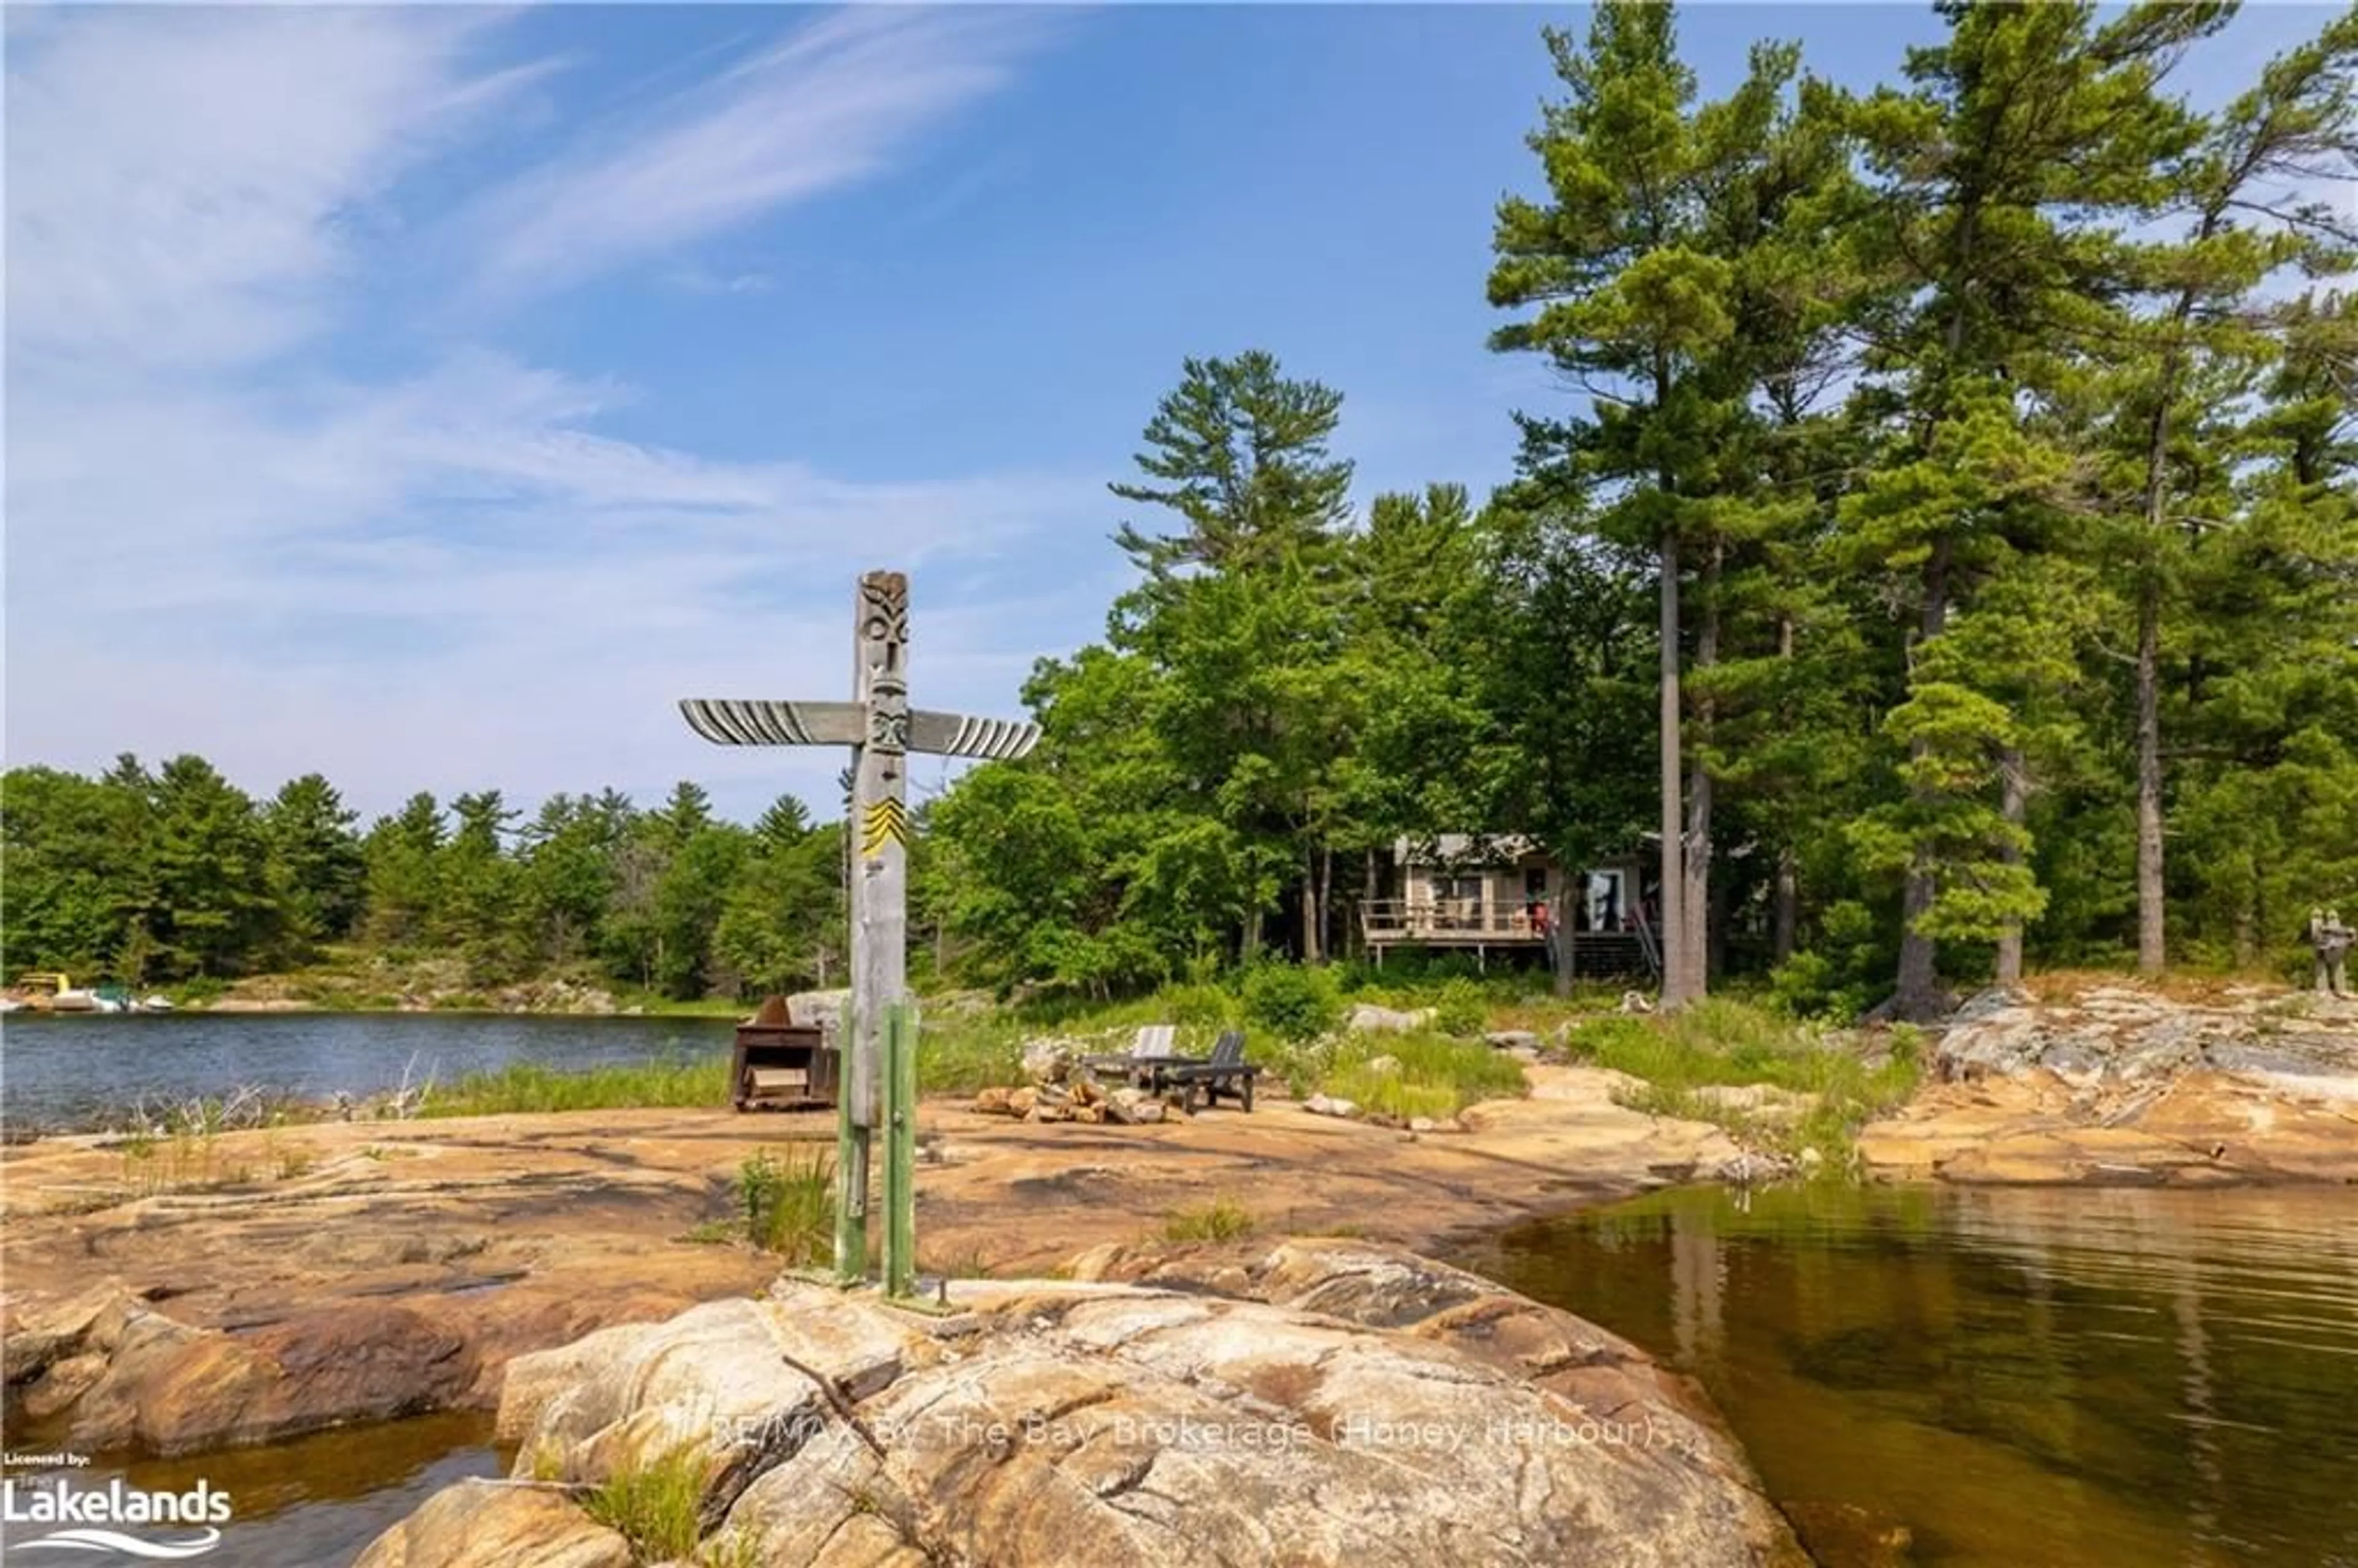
[
  {"x": 1603, "y": 955},
  {"x": 1606, "y": 954}
]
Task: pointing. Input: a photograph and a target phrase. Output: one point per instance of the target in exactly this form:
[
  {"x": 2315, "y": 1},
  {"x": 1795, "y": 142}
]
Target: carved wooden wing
[
  {"x": 739, "y": 721},
  {"x": 956, "y": 735}
]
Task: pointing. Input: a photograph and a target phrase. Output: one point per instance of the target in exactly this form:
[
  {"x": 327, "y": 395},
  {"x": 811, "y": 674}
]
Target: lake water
[
  {"x": 2073, "y": 1379},
  {"x": 311, "y": 1503},
  {"x": 63, "y": 1071}
]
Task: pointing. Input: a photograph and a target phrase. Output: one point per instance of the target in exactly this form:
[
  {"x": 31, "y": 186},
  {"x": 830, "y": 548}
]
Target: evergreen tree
[
  {"x": 1238, "y": 451},
  {"x": 2028, "y": 137},
  {"x": 1641, "y": 264},
  {"x": 2242, "y": 197},
  {"x": 213, "y": 909},
  {"x": 316, "y": 866},
  {"x": 403, "y": 887}
]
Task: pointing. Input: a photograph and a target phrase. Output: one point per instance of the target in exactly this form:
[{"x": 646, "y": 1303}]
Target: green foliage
[
  {"x": 1198, "y": 1006},
  {"x": 1414, "y": 1075},
  {"x": 1291, "y": 1002},
  {"x": 1722, "y": 1042},
  {"x": 1461, "y": 1010},
  {"x": 177, "y": 878},
  {"x": 525, "y": 1087},
  {"x": 788, "y": 1203},
  {"x": 963, "y": 1052}
]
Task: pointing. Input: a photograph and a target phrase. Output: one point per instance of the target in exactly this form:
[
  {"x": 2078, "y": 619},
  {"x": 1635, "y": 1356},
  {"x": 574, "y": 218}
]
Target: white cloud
[
  {"x": 181, "y": 180},
  {"x": 451, "y": 578},
  {"x": 820, "y": 109}
]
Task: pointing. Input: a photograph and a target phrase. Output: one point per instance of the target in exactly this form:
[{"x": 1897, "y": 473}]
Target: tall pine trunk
[
  {"x": 1326, "y": 940},
  {"x": 1670, "y": 925},
  {"x": 1918, "y": 994},
  {"x": 1786, "y": 928},
  {"x": 2152, "y": 931},
  {"x": 1785, "y": 917},
  {"x": 2013, "y": 799},
  {"x": 1696, "y": 849},
  {"x": 1313, "y": 951}
]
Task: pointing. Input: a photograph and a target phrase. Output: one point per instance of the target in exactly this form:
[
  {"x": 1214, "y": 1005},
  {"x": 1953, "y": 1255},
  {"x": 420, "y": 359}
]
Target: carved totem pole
[{"x": 880, "y": 1029}]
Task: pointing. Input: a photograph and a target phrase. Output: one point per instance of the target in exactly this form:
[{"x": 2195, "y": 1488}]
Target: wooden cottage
[{"x": 1503, "y": 891}]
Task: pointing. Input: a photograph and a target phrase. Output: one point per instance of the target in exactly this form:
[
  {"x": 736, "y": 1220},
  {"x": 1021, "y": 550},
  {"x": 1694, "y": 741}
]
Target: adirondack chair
[
  {"x": 1224, "y": 1072},
  {"x": 1153, "y": 1043}
]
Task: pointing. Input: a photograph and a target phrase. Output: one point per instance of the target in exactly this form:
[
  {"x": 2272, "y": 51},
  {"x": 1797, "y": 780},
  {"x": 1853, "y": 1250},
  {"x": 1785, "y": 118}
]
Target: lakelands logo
[{"x": 86, "y": 1516}]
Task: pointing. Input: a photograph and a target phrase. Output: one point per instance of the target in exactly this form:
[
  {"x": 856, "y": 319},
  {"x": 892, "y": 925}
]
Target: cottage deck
[
  {"x": 1448, "y": 923},
  {"x": 1483, "y": 925}
]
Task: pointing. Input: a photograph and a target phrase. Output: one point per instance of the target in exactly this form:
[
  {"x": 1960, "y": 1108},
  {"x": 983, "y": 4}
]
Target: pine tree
[
  {"x": 2243, "y": 198},
  {"x": 316, "y": 866},
  {"x": 2028, "y": 137},
  {"x": 1240, "y": 451},
  {"x": 1656, "y": 267}
]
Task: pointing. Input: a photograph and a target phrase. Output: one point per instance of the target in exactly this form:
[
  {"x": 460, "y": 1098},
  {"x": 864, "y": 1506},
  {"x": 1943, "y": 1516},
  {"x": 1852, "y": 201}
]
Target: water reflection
[
  {"x": 2016, "y": 1375},
  {"x": 315, "y": 1501}
]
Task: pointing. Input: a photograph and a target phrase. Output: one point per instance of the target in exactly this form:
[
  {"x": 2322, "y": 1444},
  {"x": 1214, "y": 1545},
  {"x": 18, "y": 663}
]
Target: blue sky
[{"x": 431, "y": 395}]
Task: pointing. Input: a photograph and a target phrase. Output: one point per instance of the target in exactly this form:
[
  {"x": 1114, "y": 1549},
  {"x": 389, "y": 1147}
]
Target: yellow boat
[{"x": 46, "y": 990}]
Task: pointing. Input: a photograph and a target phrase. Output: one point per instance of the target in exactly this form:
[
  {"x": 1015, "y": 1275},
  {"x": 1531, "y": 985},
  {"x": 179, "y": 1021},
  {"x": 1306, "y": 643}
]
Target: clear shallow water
[
  {"x": 2069, "y": 1380},
  {"x": 312, "y": 1503},
  {"x": 64, "y": 1071}
]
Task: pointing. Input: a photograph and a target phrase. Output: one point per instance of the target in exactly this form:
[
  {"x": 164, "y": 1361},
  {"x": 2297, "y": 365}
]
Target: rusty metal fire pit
[{"x": 779, "y": 1064}]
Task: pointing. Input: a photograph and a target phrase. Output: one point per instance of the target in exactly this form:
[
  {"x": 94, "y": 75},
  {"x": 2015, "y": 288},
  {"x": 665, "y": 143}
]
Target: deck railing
[{"x": 1448, "y": 919}]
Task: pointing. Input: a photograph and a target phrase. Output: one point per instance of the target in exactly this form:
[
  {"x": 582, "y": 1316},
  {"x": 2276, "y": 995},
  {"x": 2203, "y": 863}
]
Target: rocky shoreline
[
  {"x": 1310, "y": 1402},
  {"x": 434, "y": 1252},
  {"x": 2117, "y": 1086}
]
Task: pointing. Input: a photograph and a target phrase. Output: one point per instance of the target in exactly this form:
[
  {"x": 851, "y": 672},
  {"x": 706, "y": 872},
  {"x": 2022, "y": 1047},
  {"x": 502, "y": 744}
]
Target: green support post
[
  {"x": 899, "y": 1150},
  {"x": 850, "y": 1202}
]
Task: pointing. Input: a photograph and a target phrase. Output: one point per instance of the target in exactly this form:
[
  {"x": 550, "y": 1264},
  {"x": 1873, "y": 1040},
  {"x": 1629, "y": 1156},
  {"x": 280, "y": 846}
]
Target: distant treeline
[{"x": 175, "y": 874}]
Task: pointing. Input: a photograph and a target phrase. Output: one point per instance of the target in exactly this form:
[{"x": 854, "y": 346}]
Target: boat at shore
[{"x": 53, "y": 990}]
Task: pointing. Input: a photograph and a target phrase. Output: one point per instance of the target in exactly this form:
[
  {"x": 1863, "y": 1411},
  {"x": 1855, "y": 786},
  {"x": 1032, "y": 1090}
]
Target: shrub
[
  {"x": 789, "y": 1205},
  {"x": 1219, "y": 1220},
  {"x": 1460, "y": 1009},
  {"x": 960, "y": 1054},
  {"x": 1197, "y": 1006},
  {"x": 1721, "y": 1041},
  {"x": 1425, "y": 1075},
  {"x": 1292, "y": 1002}
]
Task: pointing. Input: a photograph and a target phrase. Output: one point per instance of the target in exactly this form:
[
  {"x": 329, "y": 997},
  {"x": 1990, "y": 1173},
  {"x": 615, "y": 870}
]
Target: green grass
[
  {"x": 965, "y": 1263},
  {"x": 1429, "y": 1073},
  {"x": 523, "y": 1087},
  {"x": 1719, "y": 1042},
  {"x": 788, "y": 1205},
  {"x": 656, "y": 1005},
  {"x": 1219, "y": 1220},
  {"x": 654, "y": 1507},
  {"x": 961, "y": 1054}
]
